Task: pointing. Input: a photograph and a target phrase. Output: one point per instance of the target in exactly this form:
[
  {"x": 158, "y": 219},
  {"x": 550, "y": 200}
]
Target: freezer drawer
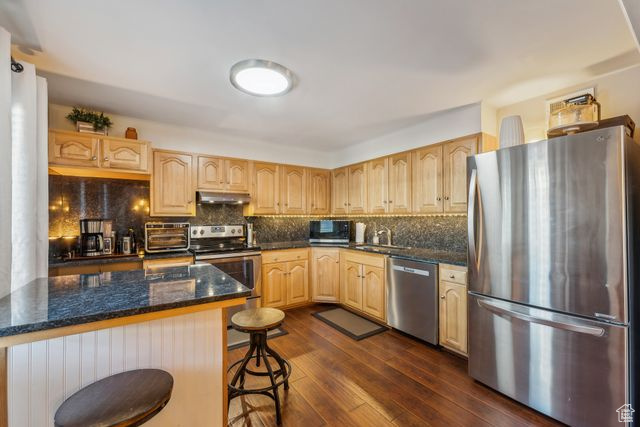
[{"x": 567, "y": 367}]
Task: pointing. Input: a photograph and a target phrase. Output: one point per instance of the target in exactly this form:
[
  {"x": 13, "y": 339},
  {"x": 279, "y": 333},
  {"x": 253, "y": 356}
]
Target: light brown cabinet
[
  {"x": 285, "y": 278},
  {"x": 455, "y": 155},
  {"x": 297, "y": 282},
  {"x": 318, "y": 191},
  {"x": 172, "y": 189},
  {"x": 226, "y": 175},
  {"x": 293, "y": 190},
  {"x": 130, "y": 155},
  {"x": 357, "y": 189},
  {"x": 373, "y": 291},
  {"x": 237, "y": 175},
  {"x": 265, "y": 196},
  {"x": 340, "y": 191},
  {"x": 427, "y": 180},
  {"x": 166, "y": 262},
  {"x": 362, "y": 283},
  {"x": 400, "y": 183},
  {"x": 274, "y": 285},
  {"x": 378, "y": 185},
  {"x": 73, "y": 149},
  {"x": 352, "y": 283},
  {"x": 325, "y": 274},
  {"x": 453, "y": 308}
]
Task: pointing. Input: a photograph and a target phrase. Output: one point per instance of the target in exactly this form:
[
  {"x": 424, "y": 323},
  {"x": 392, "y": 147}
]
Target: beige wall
[{"x": 617, "y": 93}]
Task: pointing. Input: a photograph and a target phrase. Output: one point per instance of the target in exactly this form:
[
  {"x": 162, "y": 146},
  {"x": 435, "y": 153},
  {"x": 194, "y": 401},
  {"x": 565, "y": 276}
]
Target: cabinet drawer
[
  {"x": 359, "y": 257},
  {"x": 286, "y": 255},
  {"x": 453, "y": 274}
]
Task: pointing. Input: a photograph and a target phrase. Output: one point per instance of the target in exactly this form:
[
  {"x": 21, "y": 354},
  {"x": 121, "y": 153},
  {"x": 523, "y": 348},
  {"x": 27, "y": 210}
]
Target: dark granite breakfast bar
[
  {"x": 55, "y": 302},
  {"x": 176, "y": 313}
]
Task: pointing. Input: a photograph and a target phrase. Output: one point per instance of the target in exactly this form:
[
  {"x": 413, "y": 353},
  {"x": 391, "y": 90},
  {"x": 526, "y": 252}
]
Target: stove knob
[
  {"x": 233, "y": 231},
  {"x": 195, "y": 232},
  {"x": 201, "y": 232}
]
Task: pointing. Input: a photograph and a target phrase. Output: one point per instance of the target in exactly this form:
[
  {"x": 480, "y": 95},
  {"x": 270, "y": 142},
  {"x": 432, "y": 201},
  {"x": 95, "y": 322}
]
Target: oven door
[{"x": 246, "y": 269}]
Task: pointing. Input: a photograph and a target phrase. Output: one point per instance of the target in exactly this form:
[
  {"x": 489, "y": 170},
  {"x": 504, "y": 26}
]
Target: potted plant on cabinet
[{"x": 89, "y": 121}]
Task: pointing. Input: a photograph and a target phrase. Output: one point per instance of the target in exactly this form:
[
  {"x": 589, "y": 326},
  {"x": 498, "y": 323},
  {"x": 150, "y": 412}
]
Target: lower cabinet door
[
  {"x": 325, "y": 275},
  {"x": 297, "y": 282},
  {"x": 453, "y": 316},
  {"x": 274, "y": 284},
  {"x": 353, "y": 285},
  {"x": 373, "y": 298}
]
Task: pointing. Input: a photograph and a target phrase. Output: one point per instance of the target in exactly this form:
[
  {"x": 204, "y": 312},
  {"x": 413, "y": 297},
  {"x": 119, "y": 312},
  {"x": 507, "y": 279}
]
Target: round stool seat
[
  {"x": 125, "y": 399},
  {"x": 255, "y": 319}
]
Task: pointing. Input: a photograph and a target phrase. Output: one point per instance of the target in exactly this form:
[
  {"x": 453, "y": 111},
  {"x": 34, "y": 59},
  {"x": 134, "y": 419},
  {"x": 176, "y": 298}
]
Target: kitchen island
[{"x": 60, "y": 334}]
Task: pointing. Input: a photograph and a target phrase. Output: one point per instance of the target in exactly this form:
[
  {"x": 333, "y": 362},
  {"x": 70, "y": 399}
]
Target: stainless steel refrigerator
[{"x": 553, "y": 249}]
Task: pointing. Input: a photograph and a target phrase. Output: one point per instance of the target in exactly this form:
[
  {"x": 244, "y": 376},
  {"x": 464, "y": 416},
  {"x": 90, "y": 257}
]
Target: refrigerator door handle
[
  {"x": 471, "y": 220},
  {"x": 573, "y": 327}
]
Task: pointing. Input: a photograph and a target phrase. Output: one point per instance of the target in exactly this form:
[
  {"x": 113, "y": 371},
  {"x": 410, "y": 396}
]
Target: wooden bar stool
[
  {"x": 126, "y": 399},
  {"x": 257, "y": 322}
]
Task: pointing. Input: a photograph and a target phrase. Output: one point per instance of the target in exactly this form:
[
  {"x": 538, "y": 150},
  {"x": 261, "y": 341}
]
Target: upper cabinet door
[
  {"x": 318, "y": 193},
  {"x": 132, "y": 155},
  {"x": 237, "y": 175},
  {"x": 210, "y": 173},
  {"x": 70, "y": 149},
  {"x": 266, "y": 187},
  {"x": 340, "y": 191},
  {"x": 294, "y": 183},
  {"x": 377, "y": 172},
  {"x": 427, "y": 180},
  {"x": 357, "y": 189},
  {"x": 172, "y": 189},
  {"x": 455, "y": 172},
  {"x": 400, "y": 183}
]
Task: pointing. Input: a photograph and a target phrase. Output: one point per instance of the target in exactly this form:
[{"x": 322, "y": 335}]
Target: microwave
[{"x": 329, "y": 231}]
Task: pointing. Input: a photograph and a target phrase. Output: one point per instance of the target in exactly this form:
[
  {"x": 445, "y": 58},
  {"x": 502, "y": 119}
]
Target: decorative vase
[
  {"x": 131, "y": 133},
  {"x": 511, "y": 132}
]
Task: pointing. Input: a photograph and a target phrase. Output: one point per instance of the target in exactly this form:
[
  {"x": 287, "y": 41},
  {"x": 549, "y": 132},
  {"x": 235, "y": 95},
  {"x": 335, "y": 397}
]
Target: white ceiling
[{"x": 364, "y": 67}]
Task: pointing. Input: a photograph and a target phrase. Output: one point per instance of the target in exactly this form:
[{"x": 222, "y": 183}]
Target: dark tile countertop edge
[
  {"x": 416, "y": 254},
  {"x": 80, "y": 320},
  {"x": 24, "y": 299},
  {"x": 89, "y": 261}
]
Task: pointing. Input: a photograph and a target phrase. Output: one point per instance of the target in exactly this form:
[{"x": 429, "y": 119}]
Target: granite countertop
[
  {"x": 54, "y": 302},
  {"x": 72, "y": 262},
  {"x": 417, "y": 254}
]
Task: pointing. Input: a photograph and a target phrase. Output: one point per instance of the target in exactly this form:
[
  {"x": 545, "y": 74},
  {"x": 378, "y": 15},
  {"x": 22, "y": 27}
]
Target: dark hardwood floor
[{"x": 385, "y": 380}]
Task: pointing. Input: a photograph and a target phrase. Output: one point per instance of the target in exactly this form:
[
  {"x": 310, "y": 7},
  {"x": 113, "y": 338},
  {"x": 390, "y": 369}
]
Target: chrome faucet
[{"x": 388, "y": 233}]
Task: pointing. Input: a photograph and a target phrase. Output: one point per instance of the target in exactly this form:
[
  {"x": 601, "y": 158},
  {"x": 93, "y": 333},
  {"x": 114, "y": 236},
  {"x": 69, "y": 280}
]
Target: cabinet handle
[
  {"x": 390, "y": 201},
  {"x": 337, "y": 262},
  {"x": 452, "y": 276},
  {"x": 441, "y": 296},
  {"x": 348, "y": 204},
  {"x": 439, "y": 198},
  {"x": 106, "y": 159},
  {"x": 286, "y": 204},
  {"x": 446, "y": 197},
  {"x": 221, "y": 182},
  {"x": 345, "y": 204},
  {"x": 94, "y": 158},
  {"x": 384, "y": 201}
]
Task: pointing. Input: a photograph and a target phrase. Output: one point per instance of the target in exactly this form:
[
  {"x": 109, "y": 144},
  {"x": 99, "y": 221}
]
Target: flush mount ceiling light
[{"x": 260, "y": 77}]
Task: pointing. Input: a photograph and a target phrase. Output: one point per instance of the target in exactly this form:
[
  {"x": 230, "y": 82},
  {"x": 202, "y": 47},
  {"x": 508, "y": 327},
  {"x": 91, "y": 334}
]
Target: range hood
[{"x": 215, "y": 198}]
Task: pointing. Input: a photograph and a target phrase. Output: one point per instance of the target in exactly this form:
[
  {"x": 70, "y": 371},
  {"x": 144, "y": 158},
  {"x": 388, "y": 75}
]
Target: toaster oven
[{"x": 166, "y": 237}]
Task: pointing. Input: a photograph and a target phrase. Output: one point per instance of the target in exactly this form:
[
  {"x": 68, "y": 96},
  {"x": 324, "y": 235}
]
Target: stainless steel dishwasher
[{"x": 412, "y": 298}]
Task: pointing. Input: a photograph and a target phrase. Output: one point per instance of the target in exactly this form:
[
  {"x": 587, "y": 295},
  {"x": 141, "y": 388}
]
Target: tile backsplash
[
  {"x": 447, "y": 233},
  {"x": 126, "y": 202}
]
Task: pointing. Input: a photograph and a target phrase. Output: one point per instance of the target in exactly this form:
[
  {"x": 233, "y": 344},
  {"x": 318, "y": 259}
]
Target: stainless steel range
[{"x": 225, "y": 246}]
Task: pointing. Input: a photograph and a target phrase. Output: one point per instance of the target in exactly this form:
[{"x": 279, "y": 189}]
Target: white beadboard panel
[{"x": 42, "y": 374}]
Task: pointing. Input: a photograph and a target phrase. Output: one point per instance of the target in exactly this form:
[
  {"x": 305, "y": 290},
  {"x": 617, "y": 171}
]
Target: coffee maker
[{"x": 91, "y": 237}]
